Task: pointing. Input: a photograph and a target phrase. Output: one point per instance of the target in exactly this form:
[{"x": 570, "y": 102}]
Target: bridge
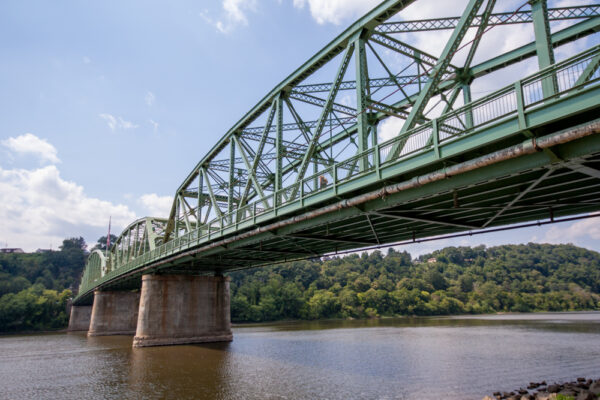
[{"x": 371, "y": 141}]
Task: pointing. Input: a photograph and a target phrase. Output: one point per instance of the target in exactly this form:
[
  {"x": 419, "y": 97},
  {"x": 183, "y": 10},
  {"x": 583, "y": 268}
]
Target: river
[{"x": 402, "y": 358}]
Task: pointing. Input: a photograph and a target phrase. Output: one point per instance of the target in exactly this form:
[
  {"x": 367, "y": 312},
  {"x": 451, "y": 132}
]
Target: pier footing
[
  {"x": 114, "y": 313},
  {"x": 79, "y": 320},
  {"x": 181, "y": 309}
]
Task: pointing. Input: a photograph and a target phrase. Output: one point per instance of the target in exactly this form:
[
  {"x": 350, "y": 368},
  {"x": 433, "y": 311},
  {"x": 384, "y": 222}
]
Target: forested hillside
[
  {"x": 519, "y": 278},
  {"x": 35, "y": 288}
]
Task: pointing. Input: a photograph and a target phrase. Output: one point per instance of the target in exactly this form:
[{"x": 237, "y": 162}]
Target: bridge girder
[{"x": 297, "y": 149}]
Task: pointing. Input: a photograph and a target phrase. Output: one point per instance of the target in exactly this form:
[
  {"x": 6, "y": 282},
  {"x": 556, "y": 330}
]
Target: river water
[{"x": 404, "y": 358}]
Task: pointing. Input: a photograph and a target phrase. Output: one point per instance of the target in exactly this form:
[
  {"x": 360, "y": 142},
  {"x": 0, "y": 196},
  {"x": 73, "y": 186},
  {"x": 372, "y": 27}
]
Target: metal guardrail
[{"x": 546, "y": 86}]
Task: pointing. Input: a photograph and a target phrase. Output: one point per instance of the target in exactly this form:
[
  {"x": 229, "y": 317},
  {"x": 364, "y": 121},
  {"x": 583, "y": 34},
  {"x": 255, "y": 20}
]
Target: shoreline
[
  {"x": 387, "y": 317},
  {"x": 579, "y": 389},
  {"x": 379, "y": 318}
]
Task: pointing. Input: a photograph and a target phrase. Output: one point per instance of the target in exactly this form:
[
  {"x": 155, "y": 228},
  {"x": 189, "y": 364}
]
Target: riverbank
[
  {"x": 580, "y": 389},
  {"x": 31, "y": 332}
]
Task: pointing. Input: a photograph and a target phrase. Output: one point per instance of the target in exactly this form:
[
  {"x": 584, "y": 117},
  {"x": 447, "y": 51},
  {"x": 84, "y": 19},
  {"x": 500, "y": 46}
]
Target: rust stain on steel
[{"x": 529, "y": 146}]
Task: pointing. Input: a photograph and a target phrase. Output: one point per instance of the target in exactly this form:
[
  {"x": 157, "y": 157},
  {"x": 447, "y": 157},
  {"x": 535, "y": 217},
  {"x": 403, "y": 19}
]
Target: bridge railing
[{"x": 565, "y": 78}]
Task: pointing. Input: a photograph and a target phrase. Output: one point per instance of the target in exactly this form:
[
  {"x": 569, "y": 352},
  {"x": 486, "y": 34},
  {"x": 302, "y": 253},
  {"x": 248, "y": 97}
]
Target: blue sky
[{"x": 106, "y": 106}]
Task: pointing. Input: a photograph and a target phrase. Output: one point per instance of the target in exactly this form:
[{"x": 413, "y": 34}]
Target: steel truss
[{"x": 315, "y": 138}]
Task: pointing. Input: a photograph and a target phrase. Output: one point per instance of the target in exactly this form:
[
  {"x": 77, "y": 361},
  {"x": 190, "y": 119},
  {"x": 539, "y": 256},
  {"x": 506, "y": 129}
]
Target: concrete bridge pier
[
  {"x": 114, "y": 313},
  {"x": 79, "y": 319},
  {"x": 181, "y": 309}
]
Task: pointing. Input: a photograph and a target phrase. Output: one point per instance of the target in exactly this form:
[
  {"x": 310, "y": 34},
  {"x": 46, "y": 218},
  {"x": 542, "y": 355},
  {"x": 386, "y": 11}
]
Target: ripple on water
[{"x": 406, "y": 358}]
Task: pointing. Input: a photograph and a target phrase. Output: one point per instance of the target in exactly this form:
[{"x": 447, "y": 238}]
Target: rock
[
  {"x": 585, "y": 395},
  {"x": 497, "y": 394},
  {"x": 553, "y": 388},
  {"x": 488, "y": 398},
  {"x": 583, "y": 385},
  {"x": 595, "y": 388},
  {"x": 522, "y": 391},
  {"x": 546, "y": 396},
  {"x": 580, "y": 379},
  {"x": 527, "y": 397}
]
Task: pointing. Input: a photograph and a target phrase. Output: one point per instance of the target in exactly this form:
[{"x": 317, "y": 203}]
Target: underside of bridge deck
[
  {"x": 543, "y": 186},
  {"x": 306, "y": 172},
  {"x": 531, "y": 188}
]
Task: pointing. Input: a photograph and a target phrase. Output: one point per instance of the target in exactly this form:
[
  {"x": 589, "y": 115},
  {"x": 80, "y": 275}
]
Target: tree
[
  {"x": 436, "y": 279},
  {"x": 101, "y": 243},
  {"x": 73, "y": 243}
]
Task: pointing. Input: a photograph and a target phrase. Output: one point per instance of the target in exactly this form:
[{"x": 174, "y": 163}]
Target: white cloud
[
  {"x": 39, "y": 208},
  {"x": 389, "y": 128},
  {"x": 154, "y": 125},
  {"x": 336, "y": 11},
  {"x": 86, "y": 60},
  {"x": 155, "y": 205},
  {"x": 150, "y": 98},
  {"x": 29, "y": 144},
  {"x": 585, "y": 228},
  {"x": 234, "y": 14},
  {"x": 117, "y": 122}
]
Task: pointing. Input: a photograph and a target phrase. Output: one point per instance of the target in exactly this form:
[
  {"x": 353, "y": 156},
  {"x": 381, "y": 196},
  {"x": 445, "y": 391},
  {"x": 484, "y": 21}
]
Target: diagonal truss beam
[
  {"x": 211, "y": 193},
  {"x": 584, "y": 169},
  {"x": 255, "y": 182},
  {"x": 443, "y": 62},
  {"x": 259, "y": 151},
  {"x": 426, "y": 220},
  {"x": 589, "y": 71},
  {"x": 480, "y": 31},
  {"x": 373, "y": 229},
  {"x": 518, "y": 197},
  {"x": 313, "y": 144},
  {"x": 435, "y": 77},
  {"x": 332, "y": 239}
]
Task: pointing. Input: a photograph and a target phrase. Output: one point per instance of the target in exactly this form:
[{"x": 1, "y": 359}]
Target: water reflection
[
  {"x": 181, "y": 371},
  {"x": 404, "y": 358}
]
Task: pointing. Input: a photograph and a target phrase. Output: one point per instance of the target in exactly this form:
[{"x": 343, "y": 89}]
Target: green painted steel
[{"x": 257, "y": 197}]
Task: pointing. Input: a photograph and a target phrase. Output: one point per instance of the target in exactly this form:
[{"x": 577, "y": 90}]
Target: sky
[{"x": 107, "y": 106}]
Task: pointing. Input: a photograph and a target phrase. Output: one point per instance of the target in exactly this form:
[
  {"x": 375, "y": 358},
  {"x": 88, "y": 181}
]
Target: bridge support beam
[
  {"x": 79, "y": 319},
  {"x": 114, "y": 313},
  {"x": 181, "y": 309}
]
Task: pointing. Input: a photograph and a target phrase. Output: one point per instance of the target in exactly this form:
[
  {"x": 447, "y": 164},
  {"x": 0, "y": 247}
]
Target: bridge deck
[
  {"x": 529, "y": 151},
  {"x": 532, "y": 187}
]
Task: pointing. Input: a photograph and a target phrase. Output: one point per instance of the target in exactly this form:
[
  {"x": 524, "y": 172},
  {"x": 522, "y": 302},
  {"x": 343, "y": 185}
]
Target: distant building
[
  {"x": 43, "y": 250},
  {"x": 432, "y": 260},
  {"x": 11, "y": 250}
]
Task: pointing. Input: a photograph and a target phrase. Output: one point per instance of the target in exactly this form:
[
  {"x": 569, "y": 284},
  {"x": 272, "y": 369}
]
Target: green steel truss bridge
[{"x": 374, "y": 141}]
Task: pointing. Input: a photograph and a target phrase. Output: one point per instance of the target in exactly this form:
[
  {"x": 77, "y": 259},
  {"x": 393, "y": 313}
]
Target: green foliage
[
  {"x": 564, "y": 397},
  {"x": 35, "y": 308},
  {"x": 101, "y": 243},
  {"x": 35, "y": 287},
  {"x": 511, "y": 278},
  {"x": 516, "y": 278}
]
